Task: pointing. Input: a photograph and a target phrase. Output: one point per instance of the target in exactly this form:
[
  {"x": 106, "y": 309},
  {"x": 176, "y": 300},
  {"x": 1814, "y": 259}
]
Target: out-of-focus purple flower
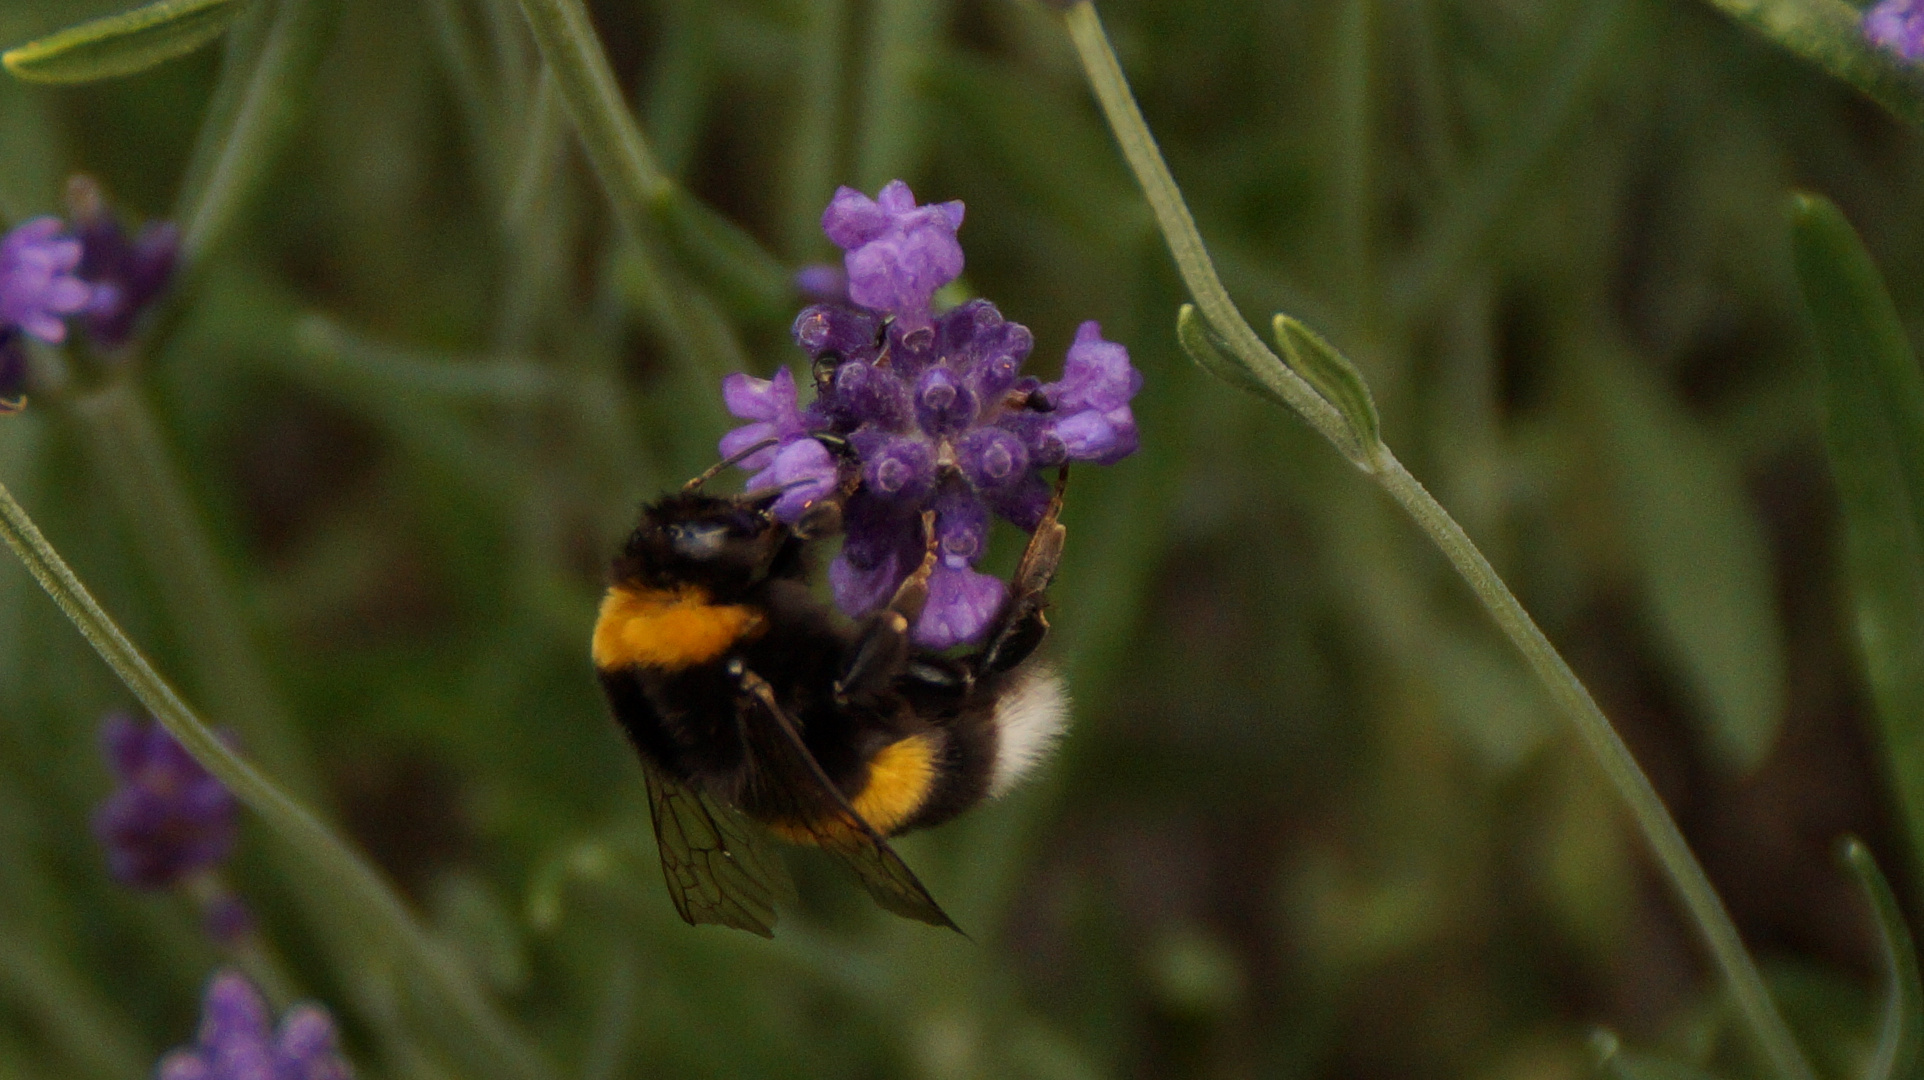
[
  {"x": 227, "y": 919},
  {"x": 822, "y": 283},
  {"x": 238, "y": 1040},
  {"x": 898, "y": 253},
  {"x": 170, "y": 817},
  {"x": 38, "y": 287},
  {"x": 935, "y": 412},
  {"x": 128, "y": 273},
  {"x": 1898, "y": 26}
]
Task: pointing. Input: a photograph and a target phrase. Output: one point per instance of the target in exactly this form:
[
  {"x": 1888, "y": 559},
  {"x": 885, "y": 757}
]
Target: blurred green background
[{"x": 1315, "y": 819}]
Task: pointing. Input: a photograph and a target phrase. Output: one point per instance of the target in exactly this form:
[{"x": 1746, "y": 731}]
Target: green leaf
[
  {"x": 1332, "y": 374},
  {"x": 1206, "y": 349},
  {"x": 1874, "y": 426},
  {"x": 123, "y": 44},
  {"x": 1619, "y": 1064},
  {"x": 1702, "y": 559},
  {"x": 1830, "y": 34},
  {"x": 1900, "y": 1035}
]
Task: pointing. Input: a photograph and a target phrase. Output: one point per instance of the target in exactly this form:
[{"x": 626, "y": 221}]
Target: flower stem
[
  {"x": 1666, "y": 841},
  {"x": 640, "y": 191},
  {"x": 268, "y": 54},
  {"x": 129, "y": 452},
  {"x": 1178, "y": 227},
  {"x": 373, "y": 905},
  {"x": 1660, "y": 830}
]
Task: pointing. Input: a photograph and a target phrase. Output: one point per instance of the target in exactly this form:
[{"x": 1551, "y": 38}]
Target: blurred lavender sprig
[
  {"x": 169, "y": 818},
  {"x": 1898, "y": 26},
  {"x": 238, "y": 1040}
]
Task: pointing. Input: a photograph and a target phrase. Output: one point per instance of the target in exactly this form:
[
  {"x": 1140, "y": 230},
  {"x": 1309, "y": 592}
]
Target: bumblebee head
[{"x": 725, "y": 544}]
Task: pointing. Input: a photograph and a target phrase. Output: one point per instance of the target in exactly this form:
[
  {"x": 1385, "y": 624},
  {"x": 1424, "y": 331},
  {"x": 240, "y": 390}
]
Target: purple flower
[
  {"x": 1897, "y": 25},
  {"x": 771, "y": 404},
  {"x": 804, "y": 470},
  {"x": 238, "y": 1040},
  {"x": 38, "y": 286},
  {"x": 170, "y": 817},
  {"x": 899, "y": 253},
  {"x": 822, "y": 282},
  {"x": 935, "y": 414},
  {"x": 128, "y": 273}
]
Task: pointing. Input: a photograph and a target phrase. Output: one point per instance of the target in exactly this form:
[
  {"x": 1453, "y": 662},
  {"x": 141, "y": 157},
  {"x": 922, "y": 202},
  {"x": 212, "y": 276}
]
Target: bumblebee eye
[{"x": 702, "y": 542}]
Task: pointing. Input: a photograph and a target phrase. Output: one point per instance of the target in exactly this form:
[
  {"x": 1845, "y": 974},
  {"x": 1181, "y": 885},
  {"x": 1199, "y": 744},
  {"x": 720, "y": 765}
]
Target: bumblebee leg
[
  {"x": 1023, "y": 624},
  {"x": 879, "y": 654},
  {"x": 823, "y": 517},
  {"x": 883, "y": 645},
  {"x": 914, "y": 590},
  {"x": 1044, "y": 552}
]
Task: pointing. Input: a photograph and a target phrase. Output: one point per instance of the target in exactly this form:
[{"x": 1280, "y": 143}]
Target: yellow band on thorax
[{"x": 668, "y": 629}]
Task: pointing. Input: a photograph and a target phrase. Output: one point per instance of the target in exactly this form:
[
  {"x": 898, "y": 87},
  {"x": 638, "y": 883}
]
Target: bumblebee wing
[
  {"x": 840, "y": 831},
  {"x": 719, "y": 864}
]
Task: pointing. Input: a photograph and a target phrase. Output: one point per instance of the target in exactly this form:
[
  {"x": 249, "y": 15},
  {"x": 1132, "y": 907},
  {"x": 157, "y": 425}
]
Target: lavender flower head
[
  {"x": 38, "y": 284},
  {"x": 1898, "y": 26},
  {"x": 129, "y": 273},
  {"x": 935, "y": 410},
  {"x": 237, "y": 1040},
  {"x": 170, "y": 817}
]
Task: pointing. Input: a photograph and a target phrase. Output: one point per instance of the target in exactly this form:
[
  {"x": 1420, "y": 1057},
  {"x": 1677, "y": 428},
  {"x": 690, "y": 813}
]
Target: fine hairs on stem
[{"x": 1692, "y": 886}]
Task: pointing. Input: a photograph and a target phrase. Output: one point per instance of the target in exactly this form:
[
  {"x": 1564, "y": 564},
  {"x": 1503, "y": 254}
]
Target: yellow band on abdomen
[
  {"x": 899, "y": 780},
  {"x": 668, "y": 630}
]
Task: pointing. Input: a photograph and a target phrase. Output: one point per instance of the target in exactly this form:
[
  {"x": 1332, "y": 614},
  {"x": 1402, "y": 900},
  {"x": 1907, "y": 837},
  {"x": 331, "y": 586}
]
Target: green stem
[
  {"x": 374, "y": 905},
  {"x": 640, "y": 191},
  {"x": 902, "y": 35},
  {"x": 635, "y": 182},
  {"x": 1178, "y": 227},
  {"x": 1686, "y": 875},
  {"x": 129, "y": 452},
  {"x": 1352, "y": 151},
  {"x": 263, "y": 60},
  {"x": 87, "y": 1031},
  {"x": 813, "y": 158},
  {"x": 1660, "y": 830},
  {"x": 1471, "y": 211}
]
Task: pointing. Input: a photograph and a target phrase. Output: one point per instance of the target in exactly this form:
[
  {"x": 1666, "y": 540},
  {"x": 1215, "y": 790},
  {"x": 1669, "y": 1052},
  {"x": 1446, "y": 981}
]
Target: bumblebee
[{"x": 759, "y": 712}]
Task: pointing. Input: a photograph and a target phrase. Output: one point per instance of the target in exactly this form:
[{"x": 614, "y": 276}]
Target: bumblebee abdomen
[
  {"x": 668, "y": 630},
  {"x": 900, "y": 778}
]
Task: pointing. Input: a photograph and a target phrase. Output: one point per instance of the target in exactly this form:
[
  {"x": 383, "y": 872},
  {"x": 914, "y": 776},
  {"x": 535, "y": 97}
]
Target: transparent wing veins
[{"x": 719, "y": 865}]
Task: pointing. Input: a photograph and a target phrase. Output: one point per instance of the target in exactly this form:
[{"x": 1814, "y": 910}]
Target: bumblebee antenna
[{"x": 735, "y": 458}]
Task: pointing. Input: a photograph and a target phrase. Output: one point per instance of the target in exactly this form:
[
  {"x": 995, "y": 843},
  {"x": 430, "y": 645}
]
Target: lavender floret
[
  {"x": 238, "y": 1041},
  {"x": 898, "y": 253},
  {"x": 170, "y": 817},
  {"x": 38, "y": 285}
]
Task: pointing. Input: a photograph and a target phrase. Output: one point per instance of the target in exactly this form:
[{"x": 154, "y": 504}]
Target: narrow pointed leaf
[
  {"x": 1333, "y": 376},
  {"x": 1208, "y": 352},
  {"x": 1874, "y": 427},
  {"x": 1830, "y": 34},
  {"x": 123, "y": 44},
  {"x": 1900, "y": 1034},
  {"x": 1703, "y": 562},
  {"x": 1615, "y": 1062}
]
